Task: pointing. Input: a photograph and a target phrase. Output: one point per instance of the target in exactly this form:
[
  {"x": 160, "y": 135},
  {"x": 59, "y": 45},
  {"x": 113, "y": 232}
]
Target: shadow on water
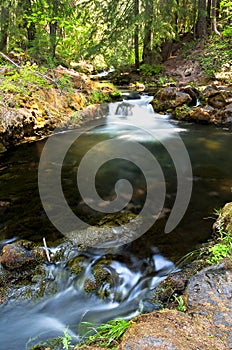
[{"x": 23, "y": 216}]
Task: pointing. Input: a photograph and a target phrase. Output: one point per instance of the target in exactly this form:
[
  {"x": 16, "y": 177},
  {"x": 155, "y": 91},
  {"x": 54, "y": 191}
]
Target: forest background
[{"x": 107, "y": 33}]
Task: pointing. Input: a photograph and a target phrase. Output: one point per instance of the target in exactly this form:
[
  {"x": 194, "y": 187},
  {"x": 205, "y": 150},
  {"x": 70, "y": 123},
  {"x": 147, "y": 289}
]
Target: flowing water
[{"x": 136, "y": 267}]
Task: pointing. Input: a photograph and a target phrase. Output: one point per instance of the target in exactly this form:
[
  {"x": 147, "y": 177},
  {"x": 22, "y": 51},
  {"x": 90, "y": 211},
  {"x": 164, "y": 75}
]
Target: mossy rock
[
  {"x": 182, "y": 112},
  {"x": 224, "y": 220},
  {"x": 77, "y": 264}
]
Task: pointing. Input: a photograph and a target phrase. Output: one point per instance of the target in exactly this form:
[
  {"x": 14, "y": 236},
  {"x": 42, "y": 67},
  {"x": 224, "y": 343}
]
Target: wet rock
[
  {"x": 224, "y": 116},
  {"x": 182, "y": 98},
  {"x": 193, "y": 92},
  {"x": 18, "y": 255},
  {"x": 182, "y": 112},
  {"x": 167, "y": 93}
]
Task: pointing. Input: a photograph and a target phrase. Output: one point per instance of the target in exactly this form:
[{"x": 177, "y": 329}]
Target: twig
[
  {"x": 10, "y": 60},
  {"x": 46, "y": 249},
  {"x": 36, "y": 73}
]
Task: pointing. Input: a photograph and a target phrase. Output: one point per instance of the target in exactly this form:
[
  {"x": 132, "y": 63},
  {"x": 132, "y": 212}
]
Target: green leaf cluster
[{"x": 106, "y": 335}]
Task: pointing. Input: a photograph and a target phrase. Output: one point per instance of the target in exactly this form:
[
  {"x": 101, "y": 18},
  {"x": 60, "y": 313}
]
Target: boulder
[
  {"x": 202, "y": 114},
  {"x": 209, "y": 294},
  {"x": 19, "y": 255},
  {"x": 171, "y": 330},
  {"x": 170, "y": 97},
  {"x": 217, "y": 101}
]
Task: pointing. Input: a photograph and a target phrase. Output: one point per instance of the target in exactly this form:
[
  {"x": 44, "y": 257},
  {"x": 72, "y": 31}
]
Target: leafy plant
[
  {"x": 66, "y": 340},
  {"x": 65, "y": 83},
  {"x": 97, "y": 96},
  {"x": 107, "y": 334},
  {"x": 149, "y": 70},
  {"x": 180, "y": 301},
  {"x": 221, "y": 250}
]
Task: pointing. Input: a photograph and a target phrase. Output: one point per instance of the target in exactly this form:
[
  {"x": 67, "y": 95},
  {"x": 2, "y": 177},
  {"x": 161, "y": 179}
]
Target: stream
[{"x": 140, "y": 262}]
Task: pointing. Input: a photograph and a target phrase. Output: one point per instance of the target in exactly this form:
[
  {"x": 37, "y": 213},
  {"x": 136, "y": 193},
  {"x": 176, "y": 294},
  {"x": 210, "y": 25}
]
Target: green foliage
[
  {"x": 150, "y": 70},
  {"x": 24, "y": 80},
  {"x": 217, "y": 53},
  {"x": 221, "y": 250},
  {"x": 106, "y": 335},
  {"x": 97, "y": 96},
  {"x": 66, "y": 340},
  {"x": 180, "y": 303},
  {"x": 65, "y": 83}
]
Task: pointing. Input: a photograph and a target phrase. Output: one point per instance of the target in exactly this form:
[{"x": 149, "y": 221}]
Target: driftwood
[{"x": 19, "y": 67}]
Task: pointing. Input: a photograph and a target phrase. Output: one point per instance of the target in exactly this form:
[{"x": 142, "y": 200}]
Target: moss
[
  {"x": 100, "y": 272},
  {"x": 90, "y": 286},
  {"x": 118, "y": 219},
  {"x": 76, "y": 265},
  {"x": 182, "y": 112}
]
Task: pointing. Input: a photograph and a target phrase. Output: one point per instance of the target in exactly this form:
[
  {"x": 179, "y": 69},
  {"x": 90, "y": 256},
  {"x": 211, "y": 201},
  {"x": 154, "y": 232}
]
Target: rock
[
  {"x": 17, "y": 255},
  {"x": 217, "y": 101},
  {"x": 166, "y": 93},
  {"x": 210, "y": 91},
  {"x": 209, "y": 294},
  {"x": 224, "y": 116},
  {"x": 224, "y": 220},
  {"x": 170, "y": 97},
  {"x": 182, "y": 98},
  {"x": 171, "y": 330},
  {"x": 202, "y": 114},
  {"x": 193, "y": 92},
  {"x": 182, "y": 112},
  {"x": 206, "y": 325}
]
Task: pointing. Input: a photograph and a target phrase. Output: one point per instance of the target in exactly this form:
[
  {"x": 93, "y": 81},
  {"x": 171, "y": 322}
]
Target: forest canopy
[{"x": 107, "y": 32}]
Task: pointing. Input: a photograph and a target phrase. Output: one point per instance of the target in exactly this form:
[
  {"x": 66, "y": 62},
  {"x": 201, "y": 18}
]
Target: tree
[
  {"x": 4, "y": 25},
  {"x": 201, "y": 25},
  {"x": 214, "y": 16},
  {"x": 136, "y": 34}
]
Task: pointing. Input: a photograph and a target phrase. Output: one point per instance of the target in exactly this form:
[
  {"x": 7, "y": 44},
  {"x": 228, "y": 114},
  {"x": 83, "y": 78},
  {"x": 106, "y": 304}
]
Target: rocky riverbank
[
  {"x": 211, "y": 104},
  {"x": 31, "y": 110},
  {"x": 194, "y": 303}
]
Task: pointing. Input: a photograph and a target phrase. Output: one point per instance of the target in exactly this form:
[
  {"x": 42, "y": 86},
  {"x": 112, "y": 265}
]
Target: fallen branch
[{"x": 20, "y": 67}]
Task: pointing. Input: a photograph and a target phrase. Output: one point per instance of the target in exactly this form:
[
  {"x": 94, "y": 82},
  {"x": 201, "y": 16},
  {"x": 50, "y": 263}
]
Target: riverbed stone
[{"x": 209, "y": 294}]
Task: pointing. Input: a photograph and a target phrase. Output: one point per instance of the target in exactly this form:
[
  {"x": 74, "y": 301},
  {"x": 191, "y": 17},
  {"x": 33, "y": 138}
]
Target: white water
[{"x": 33, "y": 322}]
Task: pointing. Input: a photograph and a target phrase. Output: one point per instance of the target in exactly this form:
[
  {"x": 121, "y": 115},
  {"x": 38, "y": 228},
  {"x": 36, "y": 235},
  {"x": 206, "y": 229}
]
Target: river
[{"x": 144, "y": 259}]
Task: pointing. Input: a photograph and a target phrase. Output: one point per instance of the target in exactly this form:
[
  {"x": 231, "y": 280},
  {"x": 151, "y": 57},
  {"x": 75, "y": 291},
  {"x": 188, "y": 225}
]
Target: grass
[{"x": 106, "y": 335}]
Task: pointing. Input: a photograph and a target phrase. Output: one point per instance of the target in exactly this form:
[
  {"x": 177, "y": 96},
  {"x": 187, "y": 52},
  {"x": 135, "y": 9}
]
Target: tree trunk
[
  {"x": 201, "y": 26},
  {"x": 148, "y": 55},
  {"x": 5, "y": 17},
  {"x": 208, "y": 13},
  {"x": 136, "y": 34},
  {"x": 214, "y": 17},
  {"x": 53, "y": 34}
]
